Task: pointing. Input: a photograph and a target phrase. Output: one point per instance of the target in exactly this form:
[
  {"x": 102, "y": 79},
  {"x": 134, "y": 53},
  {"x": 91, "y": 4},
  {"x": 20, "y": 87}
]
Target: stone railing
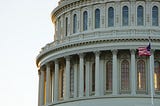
[{"x": 104, "y": 34}]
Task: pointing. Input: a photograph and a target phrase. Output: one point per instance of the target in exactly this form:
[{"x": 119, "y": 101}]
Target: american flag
[{"x": 145, "y": 51}]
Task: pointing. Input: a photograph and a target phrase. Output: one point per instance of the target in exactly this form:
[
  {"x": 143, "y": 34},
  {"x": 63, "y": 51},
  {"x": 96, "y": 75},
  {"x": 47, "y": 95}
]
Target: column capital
[
  {"x": 42, "y": 68},
  {"x": 132, "y": 51},
  {"x": 97, "y": 53},
  {"x": 114, "y": 51},
  {"x": 56, "y": 61},
  {"x": 81, "y": 55},
  {"x": 39, "y": 72},
  {"x": 47, "y": 64},
  {"x": 67, "y": 58},
  {"x": 152, "y": 51}
]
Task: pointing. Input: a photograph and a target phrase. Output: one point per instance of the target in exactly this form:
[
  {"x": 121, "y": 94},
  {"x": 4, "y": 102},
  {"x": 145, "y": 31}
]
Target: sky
[{"x": 25, "y": 27}]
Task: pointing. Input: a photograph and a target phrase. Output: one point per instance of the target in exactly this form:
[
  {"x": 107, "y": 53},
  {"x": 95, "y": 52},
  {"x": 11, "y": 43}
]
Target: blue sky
[{"x": 25, "y": 27}]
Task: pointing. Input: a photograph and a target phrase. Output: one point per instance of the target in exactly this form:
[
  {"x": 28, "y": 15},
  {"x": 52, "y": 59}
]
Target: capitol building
[{"x": 94, "y": 60}]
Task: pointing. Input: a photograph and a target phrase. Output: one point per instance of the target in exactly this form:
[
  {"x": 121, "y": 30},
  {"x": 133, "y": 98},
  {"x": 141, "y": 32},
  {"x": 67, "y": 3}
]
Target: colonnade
[{"x": 49, "y": 78}]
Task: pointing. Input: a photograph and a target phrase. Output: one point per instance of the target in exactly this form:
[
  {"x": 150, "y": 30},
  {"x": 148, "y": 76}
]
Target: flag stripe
[{"x": 144, "y": 51}]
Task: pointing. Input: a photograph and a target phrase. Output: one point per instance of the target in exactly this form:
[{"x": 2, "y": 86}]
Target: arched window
[
  {"x": 157, "y": 76},
  {"x": 125, "y": 85},
  {"x": 71, "y": 81},
  {"x": 97, "y": 18},
  {"x": 155, "y": 16},
  {"x": 61, "y": 83},
  {"x": 109, "y": 76},
  {"x": 110, "y": 17},
  {"x": 141, "y": 75},
  {"x": 74, "y": 23},
  {"x": 59, "y": 28},
  {"x": 93, "y": 77},
  {"x": 140, "y": 15},
  {"x": 84, "y": 81},
  {"x": 66, "y": 32},
  {"x": 125, "y": 16},
  {"x": 85, "y": 20}
]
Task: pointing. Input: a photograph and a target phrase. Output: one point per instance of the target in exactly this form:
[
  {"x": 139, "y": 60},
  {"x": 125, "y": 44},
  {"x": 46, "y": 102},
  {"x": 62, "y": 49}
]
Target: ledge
[
  {"x": 100, "y": 36},
  {"x": 102, "y": 97}
]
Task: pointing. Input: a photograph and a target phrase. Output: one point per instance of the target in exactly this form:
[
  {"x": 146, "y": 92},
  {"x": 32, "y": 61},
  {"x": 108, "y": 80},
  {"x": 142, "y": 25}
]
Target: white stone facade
[{"x": 94, "y": 59}]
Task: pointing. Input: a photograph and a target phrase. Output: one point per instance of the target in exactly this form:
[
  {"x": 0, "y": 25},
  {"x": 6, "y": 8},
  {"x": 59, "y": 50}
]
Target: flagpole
[
  {"x": 151, "y": 74},
  {"x": 151, "y": 78}
]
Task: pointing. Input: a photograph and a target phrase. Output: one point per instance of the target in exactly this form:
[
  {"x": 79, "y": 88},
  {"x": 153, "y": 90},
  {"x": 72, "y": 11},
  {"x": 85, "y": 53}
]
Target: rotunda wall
[{"x": 110, "y": 102}]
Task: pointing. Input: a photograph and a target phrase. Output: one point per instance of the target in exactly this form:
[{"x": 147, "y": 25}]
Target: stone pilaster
[
  {"x": 48, "y": 83},
  {"x": 97, "y": 74},
  {"x": 133, "y": 72},
  {"x": 67, "y": 74},
  {"x": 81, "y": 75},
  {"x": 115, "y": 73},
  {"x": 42, "y": 87},
  {"x": 56, "y": 87}
]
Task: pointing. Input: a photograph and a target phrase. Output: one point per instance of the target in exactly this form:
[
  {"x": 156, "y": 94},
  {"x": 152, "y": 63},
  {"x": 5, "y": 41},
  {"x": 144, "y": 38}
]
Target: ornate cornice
[{"x": 91, "y": 46}]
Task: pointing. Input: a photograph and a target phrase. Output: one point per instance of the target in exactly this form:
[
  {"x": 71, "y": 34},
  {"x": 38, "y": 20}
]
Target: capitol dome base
[{"x": 123, "y": 101}]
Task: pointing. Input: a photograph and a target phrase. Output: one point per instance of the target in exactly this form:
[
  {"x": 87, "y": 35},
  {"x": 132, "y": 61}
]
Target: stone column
[
  {"x": 56, "y": 86},
  {"x": 115, "y": 73},
  {"x": 53, "y": 81},
  {"x": 39, "y": 75},
  {"x": 42, "y": 87},
  {"x": 75, "y": 80},
  {"x": 81, "y": 75},
  {"x": 67, "y": 74},
  {"x": 87, "y": 79},
  {"x": 102, "y": 77},
  {"x": 133, "y": 73},
  {"x": 97, "y": 74},
  {"x": 151, "y": 70},
  {"x": 48, "y": 84}
]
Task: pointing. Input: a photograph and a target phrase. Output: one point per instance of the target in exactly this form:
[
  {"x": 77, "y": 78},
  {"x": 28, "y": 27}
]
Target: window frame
[
  {"x": 123, "y": 15},
  {"x": 155, "y": 17},
  {"x": 85, "y": 20},
  {"x": 66, "y": 26},
  {"x": 75, "y": 23},
  {"x": 109, "y": 70},
  {"x": 111, "y": 17},
  {"x": 97, "y": 18},
  {"x": 141, "y": 91},
  {"x": 157, "y": 91},
  {"x": 140, "y": 15},
  {"x": 125, "y": 91}
]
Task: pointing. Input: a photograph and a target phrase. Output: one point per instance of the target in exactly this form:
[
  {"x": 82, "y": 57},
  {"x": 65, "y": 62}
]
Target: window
[
  {"x": 85, "y": 20},
  {"x": 93, "y": 77},
  {"x": 59, "y": 27},
  {"x": 61, "y": 84},
  {"x": 110, "y": 17},
  {"x": 157, "y": 76},
  {"x": 74, "y": 23},
  {"x": 72, "y": 81},
  {"x": 125, "y": 16},
  {"x": 84, "y": 74},
  {"x": 140, "y": 15},
  {"x": 141, "y": 76},
  {"x": 66, "y": 32},
  {"x": 155, "y": 16},
  {"x": 97, "y": 18},
  {"x": 125, "y": 85},
  {"x": 109, "y": 76}
]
